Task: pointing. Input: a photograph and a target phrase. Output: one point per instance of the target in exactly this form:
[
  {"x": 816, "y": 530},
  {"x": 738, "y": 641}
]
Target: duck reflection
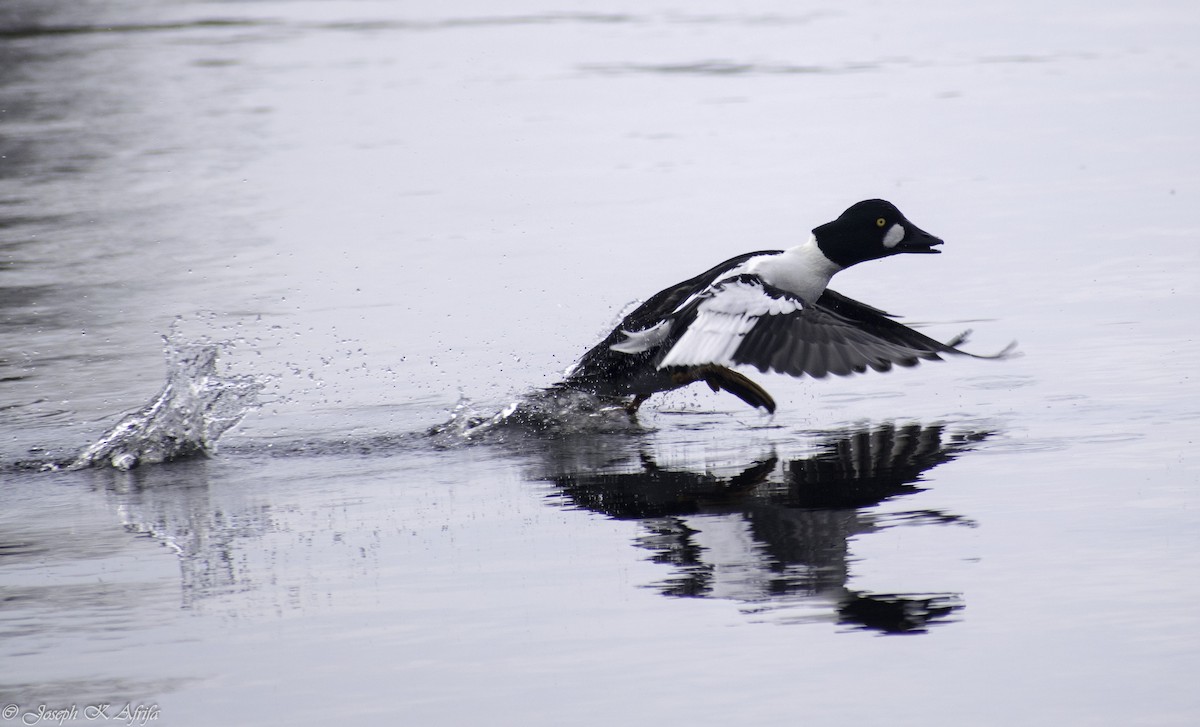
[
  {"x": 775, "y": 534},
  {"x": 772, "y": 534}
]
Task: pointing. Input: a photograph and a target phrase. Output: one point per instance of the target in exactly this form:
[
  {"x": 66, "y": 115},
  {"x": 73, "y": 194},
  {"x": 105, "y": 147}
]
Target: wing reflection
[{"x": 775, "y": 535}]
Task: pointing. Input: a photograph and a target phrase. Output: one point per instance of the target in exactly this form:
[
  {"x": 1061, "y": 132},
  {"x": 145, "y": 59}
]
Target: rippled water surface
[{"x": 389, "y": 220}]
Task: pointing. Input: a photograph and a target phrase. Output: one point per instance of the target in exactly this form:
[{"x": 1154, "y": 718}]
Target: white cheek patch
[{"x": 893, "y": 236}]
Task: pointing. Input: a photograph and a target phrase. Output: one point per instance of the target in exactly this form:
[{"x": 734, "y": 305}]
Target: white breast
[{"x": 802, "y": 270}]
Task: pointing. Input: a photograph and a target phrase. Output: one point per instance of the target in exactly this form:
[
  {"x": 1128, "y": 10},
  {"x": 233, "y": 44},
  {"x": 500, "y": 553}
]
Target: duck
[{"x": 770, "y": 310}]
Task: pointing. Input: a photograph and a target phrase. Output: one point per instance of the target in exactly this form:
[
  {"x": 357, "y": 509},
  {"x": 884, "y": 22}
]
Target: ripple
[
  {"x": 1001, "y": 383},
  {"x": 726, "y": 68},
  {"x": 37, "y": 31},
  {"x": 851, "y": 398}
]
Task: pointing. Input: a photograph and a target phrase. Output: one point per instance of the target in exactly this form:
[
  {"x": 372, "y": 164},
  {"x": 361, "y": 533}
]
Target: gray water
[{"x": 387, "y": 219}]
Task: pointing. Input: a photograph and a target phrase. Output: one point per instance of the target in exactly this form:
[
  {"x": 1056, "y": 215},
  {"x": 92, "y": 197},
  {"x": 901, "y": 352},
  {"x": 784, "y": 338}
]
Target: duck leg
[
  {"x": 637, "y": 401},
  {"x": 720, "y": 378}
]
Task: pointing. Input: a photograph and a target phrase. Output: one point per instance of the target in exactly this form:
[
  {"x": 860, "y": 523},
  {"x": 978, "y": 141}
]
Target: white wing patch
[
  {"x": 638, "y": 341},
  {"x": 722, "y": 321}
]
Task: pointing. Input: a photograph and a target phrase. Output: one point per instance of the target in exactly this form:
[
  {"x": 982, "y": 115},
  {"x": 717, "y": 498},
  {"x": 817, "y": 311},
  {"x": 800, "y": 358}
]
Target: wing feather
[{"x": 744, "y": 320}]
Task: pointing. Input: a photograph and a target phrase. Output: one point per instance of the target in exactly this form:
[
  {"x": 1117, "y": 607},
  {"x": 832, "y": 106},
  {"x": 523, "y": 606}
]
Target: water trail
[
  {"x": 556, "y": 411},
  {"x": 195, "y": 407}
]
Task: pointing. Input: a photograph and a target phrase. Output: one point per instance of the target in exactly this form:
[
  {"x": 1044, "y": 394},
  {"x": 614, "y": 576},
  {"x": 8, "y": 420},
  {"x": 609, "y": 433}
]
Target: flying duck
[{"x": 770, "y": 310}]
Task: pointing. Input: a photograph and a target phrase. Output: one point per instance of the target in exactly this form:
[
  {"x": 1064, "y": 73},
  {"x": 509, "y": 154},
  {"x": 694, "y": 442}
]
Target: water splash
[
  {"x": 195, "y": 407},
  {"x": 555, "y": 411}
]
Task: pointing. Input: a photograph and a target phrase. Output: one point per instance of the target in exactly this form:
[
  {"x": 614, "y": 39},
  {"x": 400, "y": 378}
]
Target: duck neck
[{"x": 802, "y": 270}]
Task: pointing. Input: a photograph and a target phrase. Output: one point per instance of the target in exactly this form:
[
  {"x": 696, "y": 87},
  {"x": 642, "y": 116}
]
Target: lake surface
[{"x": 394, "y": 217}]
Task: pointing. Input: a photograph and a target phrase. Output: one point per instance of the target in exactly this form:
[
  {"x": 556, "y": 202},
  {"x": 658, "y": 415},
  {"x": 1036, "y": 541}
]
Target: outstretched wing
[
  {"x": 744, "y": 320},
  {"x": 665, "y": 302},
  {"x": 619, "y": 361}
]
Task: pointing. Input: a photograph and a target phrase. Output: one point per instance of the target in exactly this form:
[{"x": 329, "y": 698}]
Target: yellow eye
[{"x": 880, "y": 222}]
